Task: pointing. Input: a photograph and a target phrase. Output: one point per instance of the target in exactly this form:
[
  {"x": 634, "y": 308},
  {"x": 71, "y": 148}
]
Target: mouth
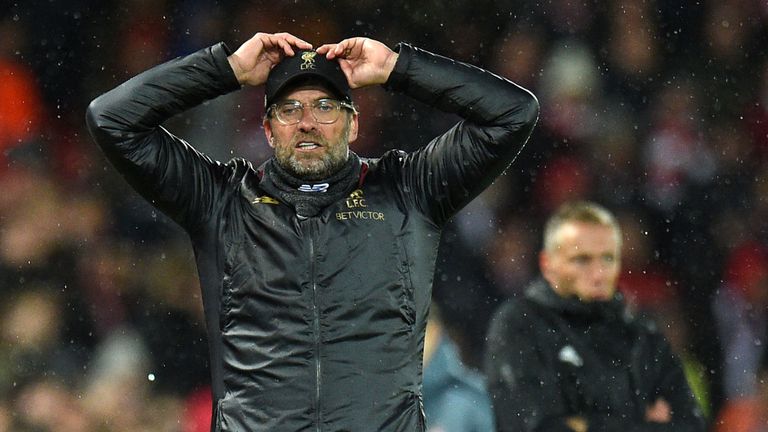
[{"x": 307, "y": 145}]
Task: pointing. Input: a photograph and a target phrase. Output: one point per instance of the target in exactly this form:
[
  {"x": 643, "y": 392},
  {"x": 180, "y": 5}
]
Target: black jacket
[
  {"x": 550, "y": 358},
  {"x": 316, "y": 324}
]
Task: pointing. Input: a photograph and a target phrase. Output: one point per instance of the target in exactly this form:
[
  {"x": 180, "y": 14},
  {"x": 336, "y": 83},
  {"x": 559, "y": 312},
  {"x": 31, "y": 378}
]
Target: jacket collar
[{"x": 541, "y": 292}]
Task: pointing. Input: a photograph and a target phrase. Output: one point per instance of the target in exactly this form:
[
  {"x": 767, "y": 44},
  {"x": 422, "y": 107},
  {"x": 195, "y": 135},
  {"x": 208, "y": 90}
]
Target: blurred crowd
[{"x": 656, "y": 109}]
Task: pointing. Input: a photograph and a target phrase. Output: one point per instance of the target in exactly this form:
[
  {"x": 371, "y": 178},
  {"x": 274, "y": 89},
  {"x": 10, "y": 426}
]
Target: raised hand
[
  {"x": 364, "y": 61},
  {"x": 259, "y": 54}
]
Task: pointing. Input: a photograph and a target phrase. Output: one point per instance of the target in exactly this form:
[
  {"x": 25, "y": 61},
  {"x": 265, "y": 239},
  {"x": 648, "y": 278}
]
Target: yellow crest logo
[
  {"x": 355, "y": 199},
  {"x": 265, "y": 200},
  {"x": 309, "y": 60}
]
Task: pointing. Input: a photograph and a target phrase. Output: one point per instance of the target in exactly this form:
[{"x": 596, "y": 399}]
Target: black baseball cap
[{"x": 306, "y": 65}]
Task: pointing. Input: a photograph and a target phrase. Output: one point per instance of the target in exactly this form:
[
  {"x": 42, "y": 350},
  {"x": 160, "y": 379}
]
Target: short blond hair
[{"x": 578, "y": 211}]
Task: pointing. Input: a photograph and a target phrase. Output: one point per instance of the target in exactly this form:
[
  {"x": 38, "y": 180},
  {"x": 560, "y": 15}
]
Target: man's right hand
[
  {"x": 577, "y": 424},
  {"x": 659, "y": 412},
  {"x": 259, "y": 54}
]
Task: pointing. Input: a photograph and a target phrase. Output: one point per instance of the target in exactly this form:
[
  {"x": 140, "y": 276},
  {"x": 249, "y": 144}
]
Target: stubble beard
[{"x": 314, "y": 168}]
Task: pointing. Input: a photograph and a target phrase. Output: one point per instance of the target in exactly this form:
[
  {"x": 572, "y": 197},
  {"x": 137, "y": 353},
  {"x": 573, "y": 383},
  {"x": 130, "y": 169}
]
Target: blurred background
[{"x": 656, "y": 109}]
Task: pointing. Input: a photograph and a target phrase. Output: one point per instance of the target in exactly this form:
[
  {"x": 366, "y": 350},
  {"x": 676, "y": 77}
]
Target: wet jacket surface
[
  {"x": 315, "y": 324},
  {"x": 550, "y": 358}
]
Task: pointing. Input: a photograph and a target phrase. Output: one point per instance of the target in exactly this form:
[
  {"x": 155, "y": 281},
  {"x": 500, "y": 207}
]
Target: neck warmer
[
  {"x": 609, "y": 310},
  {"x": 308, "y": 198}
]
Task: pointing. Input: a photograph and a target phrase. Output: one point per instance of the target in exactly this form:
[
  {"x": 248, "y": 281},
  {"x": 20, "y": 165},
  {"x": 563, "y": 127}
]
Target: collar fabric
[
  {"x": 310, "y": 198},
  {"x": 541, "y": 292}
]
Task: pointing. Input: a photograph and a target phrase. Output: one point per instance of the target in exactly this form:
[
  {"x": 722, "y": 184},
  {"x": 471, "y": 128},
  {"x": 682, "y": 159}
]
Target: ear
[
  {"x": 548, "y": 272},
  {"x": 353, "y": 127},
  {"x": 268, "y": 132},
  {"x": 544, "y": 261}
]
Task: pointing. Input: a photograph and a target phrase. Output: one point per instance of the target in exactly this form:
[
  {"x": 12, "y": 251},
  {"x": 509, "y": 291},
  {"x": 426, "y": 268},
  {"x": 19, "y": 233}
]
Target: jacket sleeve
[
  {"x": 498, "y": 117},
  {"x": 660, "y": 376},
  {"x": 522, "y": 383},
  {"x": 167, "y": 171}
]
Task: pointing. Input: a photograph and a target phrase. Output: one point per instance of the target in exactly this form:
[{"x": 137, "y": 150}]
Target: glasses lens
[
  {"x": 326, "y": 110},
  {"x": 289, "y": 112}
]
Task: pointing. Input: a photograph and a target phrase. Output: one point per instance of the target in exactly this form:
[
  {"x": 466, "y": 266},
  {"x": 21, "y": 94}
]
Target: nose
[
  {"x": 599, "y": 271},
  {"x": 307, "y": 122}
]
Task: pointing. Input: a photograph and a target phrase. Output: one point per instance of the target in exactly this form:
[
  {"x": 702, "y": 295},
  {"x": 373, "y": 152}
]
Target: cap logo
[{"x": 309, "y": 60}]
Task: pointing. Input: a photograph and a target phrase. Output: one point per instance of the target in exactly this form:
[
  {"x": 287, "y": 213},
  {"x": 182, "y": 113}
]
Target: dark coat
[
  {"x": 549, "y": 358},
  {"x": 315, "y": 324}
]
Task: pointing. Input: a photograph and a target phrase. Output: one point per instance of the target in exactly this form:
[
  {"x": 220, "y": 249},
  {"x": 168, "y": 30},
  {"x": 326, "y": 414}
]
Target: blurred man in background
[{"x": 569, "y": 357}]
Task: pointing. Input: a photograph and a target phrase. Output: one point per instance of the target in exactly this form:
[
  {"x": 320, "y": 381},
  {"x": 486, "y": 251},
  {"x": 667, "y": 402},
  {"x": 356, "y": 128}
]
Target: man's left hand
[{"x": 364, "y": 61}]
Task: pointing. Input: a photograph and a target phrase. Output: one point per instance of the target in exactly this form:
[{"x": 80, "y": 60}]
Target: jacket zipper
[{"x": 316, "y": 322}]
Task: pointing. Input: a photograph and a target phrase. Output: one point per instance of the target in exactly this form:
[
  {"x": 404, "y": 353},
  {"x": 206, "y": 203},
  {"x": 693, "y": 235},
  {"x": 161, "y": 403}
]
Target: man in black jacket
[
  {"x": 316, "y": 266},
  {"x": 569, "y": 357}
]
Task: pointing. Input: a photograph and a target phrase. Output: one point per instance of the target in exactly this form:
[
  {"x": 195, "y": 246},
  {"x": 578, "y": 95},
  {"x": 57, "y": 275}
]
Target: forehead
[{"x": 583, "y": 237}]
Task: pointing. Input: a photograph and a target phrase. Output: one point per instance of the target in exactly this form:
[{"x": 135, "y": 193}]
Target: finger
[
  {"x": 270, "y": 41},
  {"x": 325, "y": 48},
  {"x": 349, "y": 48},
  {"x": 278, "y": 42},
  {"x": 330, "y": 51},
  {"x": 284, "y": 42},
  {"x": 342, "y": 47},
  {"x": 287, "y": 49},
  {"x": 296, "y": 41}
]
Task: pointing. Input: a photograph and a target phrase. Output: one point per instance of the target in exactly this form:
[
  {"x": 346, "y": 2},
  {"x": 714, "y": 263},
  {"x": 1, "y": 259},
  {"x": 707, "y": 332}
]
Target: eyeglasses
[{"x": 325, "y": 111}]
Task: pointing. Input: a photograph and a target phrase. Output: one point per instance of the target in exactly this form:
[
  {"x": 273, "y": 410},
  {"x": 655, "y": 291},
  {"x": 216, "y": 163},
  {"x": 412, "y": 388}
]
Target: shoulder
[
  {"x": 385, "y": 169},
  {"x": 642, "y": 323},
  {"x": 241, "y": 178},
  {"x": 513, "y": 309},
  {"x": 237, "y": 168},
  {"x": 389, "y": 160},
  {"x": 468, "y": 380},
  {"x": 514, "y": 315},
  {"x": 462, "y": 387},
  {"x": 468, "y": 397},
  {"x": 239, "y": 163}
]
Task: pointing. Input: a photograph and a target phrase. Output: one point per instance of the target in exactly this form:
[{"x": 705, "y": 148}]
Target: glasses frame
[{"x": 272, "y": 109}]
